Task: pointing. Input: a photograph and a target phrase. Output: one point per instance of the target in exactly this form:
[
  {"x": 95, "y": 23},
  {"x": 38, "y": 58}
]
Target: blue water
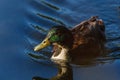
[{"x": 24, "y": 23}]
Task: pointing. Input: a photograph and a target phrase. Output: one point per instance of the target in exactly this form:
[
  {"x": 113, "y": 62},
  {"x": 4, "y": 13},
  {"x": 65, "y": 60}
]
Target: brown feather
[{"x": 89, "y": 39}]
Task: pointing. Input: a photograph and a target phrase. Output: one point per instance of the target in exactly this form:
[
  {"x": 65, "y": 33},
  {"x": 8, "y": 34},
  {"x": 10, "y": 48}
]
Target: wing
[{"x": 89, "y": 31}]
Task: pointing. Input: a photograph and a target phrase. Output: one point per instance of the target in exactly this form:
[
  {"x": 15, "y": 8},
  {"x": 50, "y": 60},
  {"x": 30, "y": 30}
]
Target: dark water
[{"x": 24, "y": 23}]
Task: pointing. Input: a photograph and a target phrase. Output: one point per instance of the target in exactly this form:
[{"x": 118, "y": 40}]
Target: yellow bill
[{"x": 42, "y": 45}]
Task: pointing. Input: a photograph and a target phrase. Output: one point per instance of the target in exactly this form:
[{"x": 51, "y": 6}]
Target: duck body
[
  {"x": 89, "y": 39},
  {"x": 85, "y": 40}
]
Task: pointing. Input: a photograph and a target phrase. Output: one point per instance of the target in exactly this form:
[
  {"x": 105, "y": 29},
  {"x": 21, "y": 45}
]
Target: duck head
[{"x": 58, "y": 36}]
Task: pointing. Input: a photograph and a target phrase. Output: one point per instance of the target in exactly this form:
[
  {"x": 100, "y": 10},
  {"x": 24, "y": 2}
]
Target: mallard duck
[{"x": 85, "y": 40}]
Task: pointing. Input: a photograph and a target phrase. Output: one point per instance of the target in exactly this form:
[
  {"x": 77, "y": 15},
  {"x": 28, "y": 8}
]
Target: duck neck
[{"x": 62, "y": 55}]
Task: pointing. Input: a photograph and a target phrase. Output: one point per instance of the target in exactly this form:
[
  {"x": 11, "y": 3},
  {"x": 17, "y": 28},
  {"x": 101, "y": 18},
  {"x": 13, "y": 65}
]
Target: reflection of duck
[
  {"x": 64, "y": 73},
  {"x": 84, "y": 40}
]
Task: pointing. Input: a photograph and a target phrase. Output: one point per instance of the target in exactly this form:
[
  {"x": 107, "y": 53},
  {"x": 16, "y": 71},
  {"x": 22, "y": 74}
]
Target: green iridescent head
[{"x": 57, "y": 34}]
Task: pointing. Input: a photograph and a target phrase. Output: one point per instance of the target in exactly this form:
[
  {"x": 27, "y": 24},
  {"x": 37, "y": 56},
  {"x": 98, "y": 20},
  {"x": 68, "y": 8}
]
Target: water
[{"x": 24, "y": 23}]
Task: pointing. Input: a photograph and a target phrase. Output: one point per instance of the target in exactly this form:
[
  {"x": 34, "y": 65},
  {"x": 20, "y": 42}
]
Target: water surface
[{"x": 24, "y": 23}]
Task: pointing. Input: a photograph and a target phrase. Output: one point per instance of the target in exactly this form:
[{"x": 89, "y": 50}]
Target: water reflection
[{"x": 64, "y": 72}]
